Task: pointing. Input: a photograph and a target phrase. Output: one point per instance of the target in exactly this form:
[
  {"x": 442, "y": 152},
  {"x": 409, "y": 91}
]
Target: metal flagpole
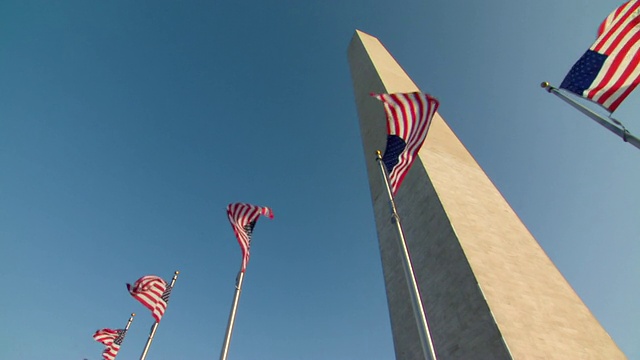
[
  {"x": 126, "y": 328},
  {"x": 232, "y": 316},
  {"x": 152, "y": 333},
  {"x": 622, "y": 132},
  {"x": 416, "y": 301}
]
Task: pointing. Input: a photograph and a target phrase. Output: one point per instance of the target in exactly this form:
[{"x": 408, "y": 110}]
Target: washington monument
[{"x": 489, "y": 290}]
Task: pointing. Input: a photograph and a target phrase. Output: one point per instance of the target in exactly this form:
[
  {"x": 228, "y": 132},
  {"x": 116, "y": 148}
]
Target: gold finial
[
  {"x": 133, "y": 314},
  {"x": 177, "y": 272},
  {"x": 545, "y": 84},
  {"x": 378, "y": 153}
]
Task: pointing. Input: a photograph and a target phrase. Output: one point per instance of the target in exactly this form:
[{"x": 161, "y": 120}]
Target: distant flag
[
  {"x": 408, "y": 119},
  {"x": 112, "y": 339},
  {"x": 106, "y": 336},
  {"x": 243, "y": 218},
  {"x": 153, "y": 292},
  {"x": 610, "y": 70}
]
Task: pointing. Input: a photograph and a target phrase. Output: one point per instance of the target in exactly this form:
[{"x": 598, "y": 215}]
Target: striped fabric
[
  {"x": 610, "y": 70},
  {"x": 243, "y": 218},
  {"x": 106, "y": 336},
  {"x": 408, "y": 119},
  {"x": 152, "y": 292},
  {"x": 112, "y": 339}
]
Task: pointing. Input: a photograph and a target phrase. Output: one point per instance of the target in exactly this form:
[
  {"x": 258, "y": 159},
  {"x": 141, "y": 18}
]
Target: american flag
[
  {"x": 112, "y": 339},
  {"x": 243, "y": 218},
  {"x": 609, "y": 71},
  {"x": 106, "y": 336},
  {"x": 153, "y": 292},
  {"x": 408, "y": 120}
]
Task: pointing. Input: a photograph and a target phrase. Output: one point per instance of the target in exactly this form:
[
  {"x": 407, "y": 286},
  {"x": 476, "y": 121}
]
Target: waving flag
[
  {"x": 106, "y": 336},
  {"x": 153, "y": 292},
  {"x": 243, "y": 218},
  {"x": 112, "y": 339},
  {"x": 610, "y": 70},
  {"x": 408, "y": 119}
]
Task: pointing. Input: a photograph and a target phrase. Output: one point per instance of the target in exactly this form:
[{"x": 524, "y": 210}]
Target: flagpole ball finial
[
  {"x": 379, "y": 154},
  {"x": 177, "y": 272},
  {"x": 545, "y": 84},
  {"x": 133, "y": 314}
]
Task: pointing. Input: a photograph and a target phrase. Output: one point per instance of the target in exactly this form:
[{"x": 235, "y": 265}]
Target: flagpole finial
[
  {"x": 133, "y": 314},
  {"x": 379, "y": 154},
  {"x": 177, "y": 272},
  {"x": 545, "y": 85}
]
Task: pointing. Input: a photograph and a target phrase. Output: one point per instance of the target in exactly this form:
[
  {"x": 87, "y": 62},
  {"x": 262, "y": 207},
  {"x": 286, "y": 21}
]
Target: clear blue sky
[{"x": 126, "y": 127}]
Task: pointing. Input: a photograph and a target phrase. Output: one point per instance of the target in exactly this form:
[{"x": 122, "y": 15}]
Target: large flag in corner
[
  {"x": 609, "y": 71},
  {"x": 152, "y": 292},
  {"x": 243, "y": 218},
  {"x": 408, "y": 120},
  {"x": 112, "y": 339}
]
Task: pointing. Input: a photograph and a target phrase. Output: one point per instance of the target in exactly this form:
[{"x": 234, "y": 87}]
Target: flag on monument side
[
  {"x": 112, "y": 339},
  {"x": 408, "y": 119},
  {"x": 610, "y": 69},
  {"x": 243, "y": 218},
  {"x": 152, "y": 292}
]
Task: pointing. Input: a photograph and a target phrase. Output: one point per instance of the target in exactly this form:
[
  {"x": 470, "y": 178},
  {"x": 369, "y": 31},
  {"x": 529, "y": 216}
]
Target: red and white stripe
[
  {"x": 106, "y": 336},
  {"x": 619, "y": 39},
  {"x": 409, "y": 117},
  {"x": 111, "y": 352},
  {"x": 148, "y": 290},
  {"x": 240, "y": 215},
  {"x": 610, "y": 20}
]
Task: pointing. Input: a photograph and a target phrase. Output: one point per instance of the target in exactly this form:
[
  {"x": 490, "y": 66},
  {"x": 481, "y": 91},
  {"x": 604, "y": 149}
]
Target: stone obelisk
[{"x": 489, "y": 289}]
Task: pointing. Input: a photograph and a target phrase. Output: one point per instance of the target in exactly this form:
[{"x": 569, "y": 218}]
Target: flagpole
[
  {"x": 232, "y": 316},
  {"x": 152, "y": 333},
  {"x": 126, "y": 328},
  {"x": 416, "y": 301},
  {"x": 621, "y": 132}
]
